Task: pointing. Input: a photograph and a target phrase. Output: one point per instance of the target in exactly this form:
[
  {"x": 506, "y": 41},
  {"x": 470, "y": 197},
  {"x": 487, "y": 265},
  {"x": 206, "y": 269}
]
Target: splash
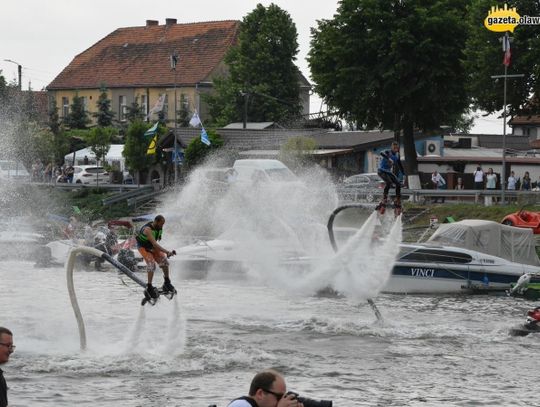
[{"x": 278, "y": 233}]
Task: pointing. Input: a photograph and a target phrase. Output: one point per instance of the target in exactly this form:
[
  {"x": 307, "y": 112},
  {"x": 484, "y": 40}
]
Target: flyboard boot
[
  {"x": 151, "y": 295},
  {"x": 397, "y": 207},
  {"x": 168, "y": 289},
  {"x": 381, "y": 207}
]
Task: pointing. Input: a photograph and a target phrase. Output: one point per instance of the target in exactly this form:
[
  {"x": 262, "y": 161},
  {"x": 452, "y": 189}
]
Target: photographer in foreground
[{"x": 267, "y": 389}]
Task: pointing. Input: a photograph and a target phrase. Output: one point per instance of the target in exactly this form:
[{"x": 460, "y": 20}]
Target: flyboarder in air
[
  {"x": 153, "y": 252},
  {"x": 392, "y": 173}
]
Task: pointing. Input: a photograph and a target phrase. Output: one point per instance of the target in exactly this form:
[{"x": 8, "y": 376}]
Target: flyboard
[
  {"x": 169, "y": 294},
  {"x": 70, "y": 264}
]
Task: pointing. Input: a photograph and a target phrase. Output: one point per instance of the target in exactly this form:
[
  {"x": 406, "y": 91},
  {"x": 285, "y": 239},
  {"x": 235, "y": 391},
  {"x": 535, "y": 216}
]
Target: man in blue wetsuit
[{"x": 391, "y": 171}]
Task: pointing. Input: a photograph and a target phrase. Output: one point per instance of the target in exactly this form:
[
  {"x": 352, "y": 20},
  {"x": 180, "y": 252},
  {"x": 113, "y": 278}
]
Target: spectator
[
  {"x": 459, "y": 185},
  {"x": 85, "y": 160},
  {"x": 526, "y": 182},
  {"x": 69, "y": 173},
  {"x": 6, "y": 349},
  {"x": 478, "y": 178},
  {"x": 438, "y": 183},
  {"x": 511, "y": 182},
  {"x": 491, "y": 180},
  {"x": 267, "y": 389}
]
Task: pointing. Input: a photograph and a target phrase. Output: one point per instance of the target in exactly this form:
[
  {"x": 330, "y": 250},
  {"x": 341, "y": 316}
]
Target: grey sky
[{"x": 45, "y": 35}]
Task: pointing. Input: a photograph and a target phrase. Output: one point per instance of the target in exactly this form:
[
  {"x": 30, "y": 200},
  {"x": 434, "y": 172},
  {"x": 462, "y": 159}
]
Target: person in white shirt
[
  {"x": 478, "y": 178},
  {"x": 512, "y": 181},
  {"x": 267, "y": 389},
  {"x": 438, "y": 183},
  {"x": 491, "y": 179}
]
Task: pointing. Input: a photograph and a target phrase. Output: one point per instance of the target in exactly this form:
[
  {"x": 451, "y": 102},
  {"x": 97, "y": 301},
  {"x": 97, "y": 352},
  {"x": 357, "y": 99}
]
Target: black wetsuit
[{"x": 3, "y": 390}]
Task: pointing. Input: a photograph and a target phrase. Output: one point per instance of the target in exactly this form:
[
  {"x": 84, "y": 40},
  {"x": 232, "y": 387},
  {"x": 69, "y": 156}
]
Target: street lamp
[
  {"x": 19, "y": 69},
  {"x": 506, "y": 48},
  {"x": 174, "y": 61}
]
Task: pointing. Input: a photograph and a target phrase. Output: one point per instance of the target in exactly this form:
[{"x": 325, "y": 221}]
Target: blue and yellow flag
[{"x": 152, "y": 146}]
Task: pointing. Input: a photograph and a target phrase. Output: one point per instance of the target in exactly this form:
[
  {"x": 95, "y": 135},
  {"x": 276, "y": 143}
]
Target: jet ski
[{"x": 531, "y": 325}]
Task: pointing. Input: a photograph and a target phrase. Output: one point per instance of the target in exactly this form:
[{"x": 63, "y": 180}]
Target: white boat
[{"x": 465, "y": 255}]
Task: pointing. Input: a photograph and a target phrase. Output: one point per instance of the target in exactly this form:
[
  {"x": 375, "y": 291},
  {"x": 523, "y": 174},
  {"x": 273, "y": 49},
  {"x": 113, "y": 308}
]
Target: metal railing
[{"x": 484, "y": 197}]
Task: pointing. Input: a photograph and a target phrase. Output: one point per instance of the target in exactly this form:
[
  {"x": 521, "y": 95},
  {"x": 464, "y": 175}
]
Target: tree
[
  {"x": 104, "y": 115},
  {"x": 78, "y": 116},
  {"x": 99, "y": 141},
  {"x": 135, "y": 112},
  {"x": 197, "y": 151},
  {"x": 136, "y": 147},
  {"x": 393, "y": 64},
  {"x": 261, "y": 70},
  {"x": 485, "y": 58}
]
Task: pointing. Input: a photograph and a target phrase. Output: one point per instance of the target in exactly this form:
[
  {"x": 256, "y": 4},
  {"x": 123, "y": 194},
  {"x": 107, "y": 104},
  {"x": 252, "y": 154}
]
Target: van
[
  {"x": 13, "y": 170},
  {"x": 263, "y": 170}
]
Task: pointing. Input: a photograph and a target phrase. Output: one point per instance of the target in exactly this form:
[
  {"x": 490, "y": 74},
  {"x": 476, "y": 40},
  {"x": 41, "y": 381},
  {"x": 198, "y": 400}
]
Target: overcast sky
[{"x": 45, "y": 35}]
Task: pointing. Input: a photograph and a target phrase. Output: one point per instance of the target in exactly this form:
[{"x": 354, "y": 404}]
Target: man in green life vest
[{"x": 153, "y": 253}]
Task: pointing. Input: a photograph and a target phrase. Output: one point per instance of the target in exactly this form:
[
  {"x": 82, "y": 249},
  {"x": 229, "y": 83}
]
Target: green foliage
[
  {"x": 261, "y": 66},
  {"x": 393, "y": 65},
  {"x": 99, "y": 141},
  {"x": 54, "y": 119},
  {"x": 485, "y": 58},
  {"x": 3, "y": 87},
  {"x": 78, "y": 116},
  {"x": 197, "y": 151},
  {"x": 135, "y": 112},
  {"x": 298, "y": 152},
  {"x": 104, "y": 115},
  {"x": 136, "y": 147}
]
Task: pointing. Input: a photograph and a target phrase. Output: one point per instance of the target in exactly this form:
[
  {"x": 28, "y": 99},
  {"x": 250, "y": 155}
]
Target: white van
[
  {"x": 13, "y": 170},
  {"x": 263, "y": 170}
]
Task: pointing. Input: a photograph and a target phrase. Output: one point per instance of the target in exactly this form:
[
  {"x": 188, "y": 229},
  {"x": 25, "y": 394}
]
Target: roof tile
[{"x": 139, "y": 56}]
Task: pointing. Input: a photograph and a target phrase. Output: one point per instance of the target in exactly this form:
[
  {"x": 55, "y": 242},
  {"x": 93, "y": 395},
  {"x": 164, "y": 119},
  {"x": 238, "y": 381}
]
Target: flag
[
  {"x": 152, "y": 146},
  {"x": 158, "y": 107},
  {"x": 506, "y": 49},
  {"x": 195, "y": 120},
  {"x": 152, "y": 130},
  {"x": 204, "y": 137}
]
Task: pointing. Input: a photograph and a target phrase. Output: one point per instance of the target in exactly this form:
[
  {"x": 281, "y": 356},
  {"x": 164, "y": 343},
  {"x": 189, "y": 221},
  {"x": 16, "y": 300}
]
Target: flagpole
[{"x": 174, "y": 61}]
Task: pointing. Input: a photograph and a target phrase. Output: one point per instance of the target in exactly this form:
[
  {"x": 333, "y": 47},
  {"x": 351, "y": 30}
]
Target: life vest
[
  {"x": 142, "y": 240},
  {"x": 252, "y": 402}
]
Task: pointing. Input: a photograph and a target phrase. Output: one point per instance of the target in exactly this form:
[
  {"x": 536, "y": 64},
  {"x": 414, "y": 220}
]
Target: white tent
[{"x": 114, "y": 156}]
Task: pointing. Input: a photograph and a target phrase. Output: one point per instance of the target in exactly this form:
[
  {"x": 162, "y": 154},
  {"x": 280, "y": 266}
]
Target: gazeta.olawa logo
[{"x": 507, "y": 19}]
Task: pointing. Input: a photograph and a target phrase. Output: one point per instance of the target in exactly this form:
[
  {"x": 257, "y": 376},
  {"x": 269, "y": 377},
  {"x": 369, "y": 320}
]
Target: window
[
  {"x": 166, "y": 107},
  {"x": 85, "y": 103},
  {"x": 65, "y": 106},
  {"x": 122, "y": 107},
  {"x": 434, "y": 256},
  {"x": 144, "y": 105}
]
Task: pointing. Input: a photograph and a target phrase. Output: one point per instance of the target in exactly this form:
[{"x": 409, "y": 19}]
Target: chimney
[
  {"x": 170, "y": 21},
  {"x": 150, "y": 23}
]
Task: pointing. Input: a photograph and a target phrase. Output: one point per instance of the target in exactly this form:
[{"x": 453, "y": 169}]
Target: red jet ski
[{"x": 531, "y": 325}]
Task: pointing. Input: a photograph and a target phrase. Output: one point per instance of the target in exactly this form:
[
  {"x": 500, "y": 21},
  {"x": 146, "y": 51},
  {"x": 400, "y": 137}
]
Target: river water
[{"x": 204, "y": 347}]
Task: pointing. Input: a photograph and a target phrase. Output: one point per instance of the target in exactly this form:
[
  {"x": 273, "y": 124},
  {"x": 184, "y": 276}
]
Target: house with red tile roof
[{"x": 134, "y": 64}]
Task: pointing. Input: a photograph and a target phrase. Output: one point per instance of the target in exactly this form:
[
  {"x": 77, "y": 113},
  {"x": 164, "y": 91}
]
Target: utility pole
[
  {"x": 506, "y": 49},
  {"x": 174, "y": 61},
  {"x": 19, "y": 70}
]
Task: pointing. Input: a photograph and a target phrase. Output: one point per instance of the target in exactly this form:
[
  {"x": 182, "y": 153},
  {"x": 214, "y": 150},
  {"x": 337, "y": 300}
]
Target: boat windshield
[
  {"x": 434, "y": 256},
  {"x": 280, "y": 174}
]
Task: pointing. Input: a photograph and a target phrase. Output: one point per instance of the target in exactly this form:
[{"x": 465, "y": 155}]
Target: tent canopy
[
  {"x": 114, "y": 154},
  {"x": 510, "y": 243}
]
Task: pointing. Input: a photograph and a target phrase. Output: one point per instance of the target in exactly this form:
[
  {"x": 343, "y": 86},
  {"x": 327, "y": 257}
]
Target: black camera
[{"x": 307, "y": 402}]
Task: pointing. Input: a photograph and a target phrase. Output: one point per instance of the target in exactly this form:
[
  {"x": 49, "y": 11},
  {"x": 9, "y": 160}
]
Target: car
[
  {"x": 368, "y": 186},
  {"x": 523, "y": 219},
  {"x": 90, "y": 174},
  {"x": 367, "y": 180}
]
